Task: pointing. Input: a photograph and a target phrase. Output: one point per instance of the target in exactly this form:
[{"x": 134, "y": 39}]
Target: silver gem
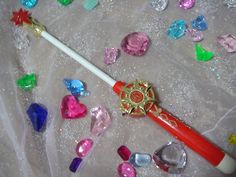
[
  {"x": 171, "y": 158},
  {"x": 159, "y": 5},
  {"x": 230, "y": 3}
]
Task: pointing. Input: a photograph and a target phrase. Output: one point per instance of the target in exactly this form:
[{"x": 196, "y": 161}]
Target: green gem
[
  {"x": 65, "y": 2},
  {"x": 202, "y": 54},
  {"x": 90, "y": 4},
  {"x": 26, "y": 82}
]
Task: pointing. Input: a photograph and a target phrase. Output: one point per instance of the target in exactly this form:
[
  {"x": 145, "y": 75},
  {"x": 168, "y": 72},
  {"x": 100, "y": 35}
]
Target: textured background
[{"x": 201, "y": 94}]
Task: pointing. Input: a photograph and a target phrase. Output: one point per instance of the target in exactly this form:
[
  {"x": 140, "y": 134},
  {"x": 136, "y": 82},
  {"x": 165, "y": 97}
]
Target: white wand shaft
[{"x": 78, "y": 58}]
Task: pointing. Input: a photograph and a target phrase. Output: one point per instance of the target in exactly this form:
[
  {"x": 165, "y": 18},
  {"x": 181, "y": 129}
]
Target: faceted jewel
[
  {"x": 124, "y": 152},
  {"x": 159, "y": 5},
  {"x": 230, "y": 3},
  {"x": 126, "y": 169},
  {"x": 38, "y": 116},
  {"x": 28, "y": 3},
  {"x": 90, "y": 4},
  {"x": 111, "y": 55},
  {"x": 202, "y": 54},
  {"x": 101, "y": 120},
  {"x": 194, "y": 35},
  {"x": 84, "y": 147},
  {"x": 177, "y": 29},
  {"x": 228, "y": 41},
  {"x": 186, "y": 4},
  {"x": 200, "y": 23},
  {"x": 76, "y": 87},
  {"x": 65, "y": 2},
  {"x": 75, "y": 164},
  {"x": 140, "y": 159},
  {"x": 26, "y": 82}
]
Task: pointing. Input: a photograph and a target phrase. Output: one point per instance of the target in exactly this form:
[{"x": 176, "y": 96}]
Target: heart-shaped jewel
[
  {"x": 71, "y": 108},
  {"x": 200, "y": 23},
  {"x": 202, "y": 54}
]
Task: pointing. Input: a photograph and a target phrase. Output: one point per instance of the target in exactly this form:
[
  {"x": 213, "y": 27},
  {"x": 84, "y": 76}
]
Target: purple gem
[
  {"x": 195, "y": 35},
  {"x": 38, "y": 116},
  {"x": 186, "y": 4},
  {"x": 228, "y": 41},
  {"x": 111, "y": 55},
  {"x": 75, "y": 164}
]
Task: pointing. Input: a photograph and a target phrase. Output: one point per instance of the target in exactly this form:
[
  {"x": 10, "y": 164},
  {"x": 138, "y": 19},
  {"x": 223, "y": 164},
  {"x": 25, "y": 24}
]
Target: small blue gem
[
  {"x": 28, "y": 3},
  {"x": 75, "y": 164},
  {"x": 76, "y": 87},
  {"x": 177, "y": 29},
  {"x": 38, "y": 116},
  {"x": 200, "y": 23}
]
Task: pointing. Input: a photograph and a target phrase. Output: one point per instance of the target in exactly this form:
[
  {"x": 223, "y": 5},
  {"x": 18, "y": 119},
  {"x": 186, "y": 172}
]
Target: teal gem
[
  {"x": 90, "y": 4},
  {"x": 29, "y": 4},
  {"x": 177, "y": 29}
]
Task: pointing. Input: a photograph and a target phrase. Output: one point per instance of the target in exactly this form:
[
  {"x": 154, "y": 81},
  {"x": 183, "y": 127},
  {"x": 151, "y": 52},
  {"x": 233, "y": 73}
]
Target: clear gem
[
  {"x": 76, "y": 87},
  {"x": 38, "y": 116},
  {"x": 90, "y": 4},
  {"x": 101, "y": 120},
  {"x": 200, "y": 23},
  {"x": 84, "y": 147},
  {"x": 171, "y": 158},
  {"x": 71, "y": 108},
  {"x": 140, "y": 159},
  {"x": 28, "y": 3},
  {"x": 111, "y": 55},
  {"x": 75, "y": 164},
  {"x": 228, "y": 41},
  {"x": 194, "y": 35},
  {"x": 124, "y": 152},
  {"x": 126, "y": 169},
  {"x": 135, "y": 44},
  {"x": 202, "y": 54},
  {"x": 159, "y": 5},
  {"x": 177, "y": 29},
  {"x": 230, "y": 3},
  {"x": 186, "y": 4}
]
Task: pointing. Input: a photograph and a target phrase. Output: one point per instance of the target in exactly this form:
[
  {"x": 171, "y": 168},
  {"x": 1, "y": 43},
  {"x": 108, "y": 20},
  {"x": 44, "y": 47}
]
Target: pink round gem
[
  {"x": 84, "y": 147},
  {"x": 135, "y": 44},
  {"x": 195, "y": 35},
  {"x": 71, "y": 108},
  {"x": 124, "y": 152},
  {"x": 186, "y": 4},
  {"x": 126, "y": 169}
]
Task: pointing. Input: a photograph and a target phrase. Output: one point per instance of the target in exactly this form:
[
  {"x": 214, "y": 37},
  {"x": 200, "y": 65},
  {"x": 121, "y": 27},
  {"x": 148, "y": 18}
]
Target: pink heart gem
[
  {"x": 101, "y": 120},
  {"x": 71, "y": 108},
  {"x": 84, "y": 147}
]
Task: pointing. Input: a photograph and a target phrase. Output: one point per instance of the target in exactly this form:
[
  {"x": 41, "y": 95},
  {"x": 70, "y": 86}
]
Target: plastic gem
[
  {"x": 71, "y": 108},
  {"x": 159, "y": 5},
  {"x": 76, "y": 87},
  {"x": 135, "y": 44},
  {"x": 26, "y": 82},
  {"x": 186, "y": 4},
  {"x": 177, "y": 29},
  {"x": 101, "y": 120},
  {"x": 202, "y": 54},
  {"x": 200, "y": 23},
  {"x": 194, "y": 35},
  {"x": 38, "y": 116},
  {"x": 75, "y": 164},
  {"x": 228, "y": 41},
  {"x": 65, "y": 2},
  {"x": 124, "y": 152},
  {"x": 90, "y": 4},
  {"x": 28, "y": 3},
  {"x": 20, "y": 17},
  {"x": 140, "y": 159},
  {"x": 230, "y": 3},
  {"x": 126, "y": 169},
  {"x": 111, "y": 55},
  {"x": 171, "y": 158},
  {"x": 232, "y": 139},
  {"x": 84, "y": 147}
]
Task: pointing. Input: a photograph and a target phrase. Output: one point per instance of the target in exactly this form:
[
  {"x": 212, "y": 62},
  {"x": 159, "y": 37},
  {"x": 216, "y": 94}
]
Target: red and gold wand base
[{"x": 137, "y": 99}]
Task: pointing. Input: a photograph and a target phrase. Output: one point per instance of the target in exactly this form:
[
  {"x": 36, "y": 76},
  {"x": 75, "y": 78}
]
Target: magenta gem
[
  {"x": 126, "y": 169},
  {"x": 101, "y": 120},
  {"x": 194, "y": 35},
  {"x": 124, "y": 152},
  {"x": 71, "y": 108},
  {"x": 135, "y": 44},
  {"x": 111, "y": 55},
  {"x": 84, "y": 147},
  {"x": 228, "y": 41},
  {"x": 186, "y": 4}
]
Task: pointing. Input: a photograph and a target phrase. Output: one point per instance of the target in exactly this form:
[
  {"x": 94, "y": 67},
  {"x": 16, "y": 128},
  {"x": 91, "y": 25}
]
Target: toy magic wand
[{"x": 138, "y": 99}]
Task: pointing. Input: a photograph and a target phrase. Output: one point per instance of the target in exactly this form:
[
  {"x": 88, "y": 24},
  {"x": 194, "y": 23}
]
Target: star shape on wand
[{"x": 20, "y": 17}]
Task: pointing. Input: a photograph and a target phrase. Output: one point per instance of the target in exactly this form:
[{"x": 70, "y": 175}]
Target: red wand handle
[{"x": 138, "y": 99}]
